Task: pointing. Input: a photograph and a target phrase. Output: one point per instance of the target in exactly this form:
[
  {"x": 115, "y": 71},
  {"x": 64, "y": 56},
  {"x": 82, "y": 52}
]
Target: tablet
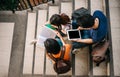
[{"x": 73, "y": 34}]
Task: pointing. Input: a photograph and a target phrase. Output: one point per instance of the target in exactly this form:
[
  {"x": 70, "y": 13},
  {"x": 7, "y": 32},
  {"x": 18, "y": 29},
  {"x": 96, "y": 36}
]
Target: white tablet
[{"x": 73, "y": 34}]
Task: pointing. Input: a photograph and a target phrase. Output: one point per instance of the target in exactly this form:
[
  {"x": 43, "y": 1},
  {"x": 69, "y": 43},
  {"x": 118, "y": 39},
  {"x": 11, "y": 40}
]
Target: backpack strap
[
  {"x": 51, "y": 56},
  {"x": 62, "y": 52}
]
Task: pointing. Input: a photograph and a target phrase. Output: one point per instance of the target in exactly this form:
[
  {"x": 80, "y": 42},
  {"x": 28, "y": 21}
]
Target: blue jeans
[{"x": 76, "y": 45}]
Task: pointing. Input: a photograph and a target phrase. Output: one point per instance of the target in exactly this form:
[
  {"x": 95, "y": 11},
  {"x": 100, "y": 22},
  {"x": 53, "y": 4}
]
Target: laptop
[{"x": 73, "y": 34}]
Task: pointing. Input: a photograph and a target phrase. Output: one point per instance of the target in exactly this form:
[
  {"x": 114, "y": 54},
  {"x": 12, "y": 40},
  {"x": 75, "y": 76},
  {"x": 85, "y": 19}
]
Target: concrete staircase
[
  {"x": 29, "y": 60},
  {"x": 34, "y": 58}
]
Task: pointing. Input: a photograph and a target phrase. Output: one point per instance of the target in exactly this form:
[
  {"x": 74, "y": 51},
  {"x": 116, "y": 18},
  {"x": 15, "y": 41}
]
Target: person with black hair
[
  {"x": 52, "y": 46},
  {"x": 54, "y": 24},
  {"x": 95, "y": 27},
  {"x": 77, "y": 14}
]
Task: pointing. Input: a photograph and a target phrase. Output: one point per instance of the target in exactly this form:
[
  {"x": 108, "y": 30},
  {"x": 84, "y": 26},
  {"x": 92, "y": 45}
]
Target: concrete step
[
  {"x": 30, "y": 35},
  {"x": 98, "y": 5},
  {"x": 6, "y": 38},
  {"x": 39, "y": 50},
  {"x": 115, "y": 31},
  {"x": 52, "y": 10},
  {"x": 66, "y": 7},
  {"x": 82, "y": 62},
  {"x": 80, "y": 3}
]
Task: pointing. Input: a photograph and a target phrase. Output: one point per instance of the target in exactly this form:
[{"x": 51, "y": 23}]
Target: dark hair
[
  {"x": 52, "y": 46},
  {"x": 86, "y": 21},
  {"x": 56, "y": 20},
  {"x": 65, "y": 18}
]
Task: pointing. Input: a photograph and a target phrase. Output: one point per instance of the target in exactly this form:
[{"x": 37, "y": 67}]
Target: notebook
[
  {"x": 73, "y": 34},
  {"x": 44, "y": 34}
]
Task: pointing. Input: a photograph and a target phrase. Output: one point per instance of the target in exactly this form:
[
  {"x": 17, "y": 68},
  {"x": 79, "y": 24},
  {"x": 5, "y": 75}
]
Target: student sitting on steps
[
  {"x": 55, "y": 23},
  {"x": 52, "y": 46},
  {"x": 96, "y": 26}
]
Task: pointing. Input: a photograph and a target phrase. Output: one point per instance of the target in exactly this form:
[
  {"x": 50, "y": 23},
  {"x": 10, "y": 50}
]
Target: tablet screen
[{"x": 73, "y": 34}]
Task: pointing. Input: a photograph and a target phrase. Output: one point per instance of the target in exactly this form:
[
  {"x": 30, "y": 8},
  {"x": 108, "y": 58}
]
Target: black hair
[
  {"x": 56, "y": 20},
  {"x": 52, "y": 46},
  {"x": 86, "y": 21}
]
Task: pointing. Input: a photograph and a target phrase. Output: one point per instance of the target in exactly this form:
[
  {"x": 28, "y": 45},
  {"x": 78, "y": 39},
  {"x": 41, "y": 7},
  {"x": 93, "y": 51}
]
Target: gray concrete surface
[{"x": 16, "y": 60}]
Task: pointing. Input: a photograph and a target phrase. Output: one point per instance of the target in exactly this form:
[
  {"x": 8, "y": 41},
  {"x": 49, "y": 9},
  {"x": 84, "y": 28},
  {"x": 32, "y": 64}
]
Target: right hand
[{"x": 80, "y": 28}]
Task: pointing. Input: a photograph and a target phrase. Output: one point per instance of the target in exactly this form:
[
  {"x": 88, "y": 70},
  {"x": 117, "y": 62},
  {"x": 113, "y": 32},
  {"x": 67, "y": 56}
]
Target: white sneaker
[
  {"x": 75, "y": 51},
  {"x": 33, "y": 42}
]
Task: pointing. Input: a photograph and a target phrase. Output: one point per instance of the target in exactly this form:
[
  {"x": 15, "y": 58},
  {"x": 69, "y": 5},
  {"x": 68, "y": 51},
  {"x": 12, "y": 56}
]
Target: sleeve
[
  {"x": 99, "y": 14},
  {"x": 93, "y": 34},
  {"x": 102, "y": 30}
]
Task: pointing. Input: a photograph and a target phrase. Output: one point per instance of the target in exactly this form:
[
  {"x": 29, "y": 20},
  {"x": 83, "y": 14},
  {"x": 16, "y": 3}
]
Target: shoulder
[
  {"x": 98, "y": 12},
  {"x": 100, "y": 15},
  {"x": 68, "y": 45}
]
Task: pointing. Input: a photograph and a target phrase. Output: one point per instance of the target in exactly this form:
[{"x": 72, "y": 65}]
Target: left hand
[
  {"x": 58, "y": 34},
  {"x": 80, "y": 28}
]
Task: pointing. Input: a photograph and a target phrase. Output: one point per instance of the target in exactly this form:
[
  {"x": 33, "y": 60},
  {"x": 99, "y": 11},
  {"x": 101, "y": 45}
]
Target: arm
[
  {"x": 81, "y": 28},
  {"x": 63, "y": 31},
  {"x": 61, "y": 38},
  {"x": 87, "y": 41}
]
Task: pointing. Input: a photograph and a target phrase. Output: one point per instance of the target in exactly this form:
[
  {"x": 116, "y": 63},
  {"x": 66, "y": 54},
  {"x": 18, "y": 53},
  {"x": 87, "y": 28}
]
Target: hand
[
  {"x": 58, "y": 34},
  {"x": 61, "y": 38},
  {"x": 33, "y": 41},
  {"x": 80, "y": 28}
]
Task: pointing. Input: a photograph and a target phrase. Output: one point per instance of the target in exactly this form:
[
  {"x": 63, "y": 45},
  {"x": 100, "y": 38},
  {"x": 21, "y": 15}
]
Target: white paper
[{"x": 44, "y": 34}]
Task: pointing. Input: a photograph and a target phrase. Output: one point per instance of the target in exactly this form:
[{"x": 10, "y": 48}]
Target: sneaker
[
  {"x": 75, "y": 51},
  {"x": 33, "y": 42}
]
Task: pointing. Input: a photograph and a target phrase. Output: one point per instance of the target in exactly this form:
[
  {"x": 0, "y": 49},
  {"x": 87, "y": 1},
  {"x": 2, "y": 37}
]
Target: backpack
[
  {"x": 79, "y": 12},
  {"x": 99, "y": 52},
  {"x": 61, "y": 66}
]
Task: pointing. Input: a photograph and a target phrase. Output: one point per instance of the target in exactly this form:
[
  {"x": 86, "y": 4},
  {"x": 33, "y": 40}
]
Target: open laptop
[{"x": 73, "y": 34}]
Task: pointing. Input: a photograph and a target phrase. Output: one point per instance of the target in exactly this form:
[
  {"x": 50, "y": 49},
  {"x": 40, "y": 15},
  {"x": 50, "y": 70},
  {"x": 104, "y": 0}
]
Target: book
[{"x": 44, "y": 34}]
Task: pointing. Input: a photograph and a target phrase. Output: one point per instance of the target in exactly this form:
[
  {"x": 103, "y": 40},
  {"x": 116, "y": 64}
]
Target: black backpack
[
  {"x": 79, "y": 12},
  {"x": 61, "y": 66}
]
